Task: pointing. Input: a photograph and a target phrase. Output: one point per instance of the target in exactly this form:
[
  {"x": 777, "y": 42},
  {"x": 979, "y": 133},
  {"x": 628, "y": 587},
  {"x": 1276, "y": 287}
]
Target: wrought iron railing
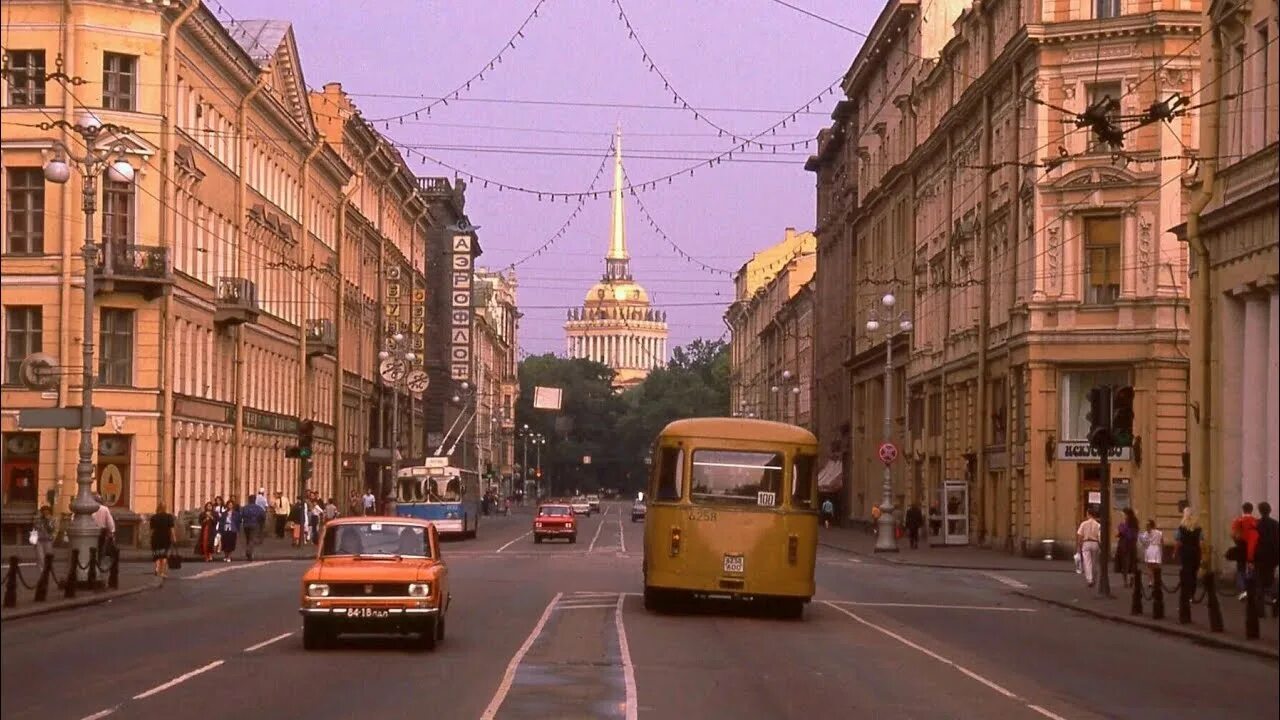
[
  {"x": 134, "y": 262},
  {"x": 235, "y": 292}
]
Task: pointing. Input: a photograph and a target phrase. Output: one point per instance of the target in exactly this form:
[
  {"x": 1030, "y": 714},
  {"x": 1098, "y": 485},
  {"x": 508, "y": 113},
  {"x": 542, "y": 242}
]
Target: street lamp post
[
  {"x": 83, "y": 532},
  {"x": 408, "y": 358},
  {"x": 538, "y": 441},
  {"x": 524, "y": 466},
  {"x": 885, "y": 539},
  {"x": 782, "y": 390}
]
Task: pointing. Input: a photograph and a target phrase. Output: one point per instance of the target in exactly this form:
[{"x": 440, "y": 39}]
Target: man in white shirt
[
  {"x": 106, "y": 524},
  {"x": 1088, "y": 543},
  {"x": 369, "y": 501}
]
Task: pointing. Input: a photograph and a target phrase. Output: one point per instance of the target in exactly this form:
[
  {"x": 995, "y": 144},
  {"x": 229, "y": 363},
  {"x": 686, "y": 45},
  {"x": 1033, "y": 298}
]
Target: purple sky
[{"x": 721, "y": 55}]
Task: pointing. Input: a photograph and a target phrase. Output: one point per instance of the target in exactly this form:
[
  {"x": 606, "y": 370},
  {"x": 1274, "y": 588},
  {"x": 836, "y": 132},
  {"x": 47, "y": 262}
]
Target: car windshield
[
  {"x": 376, "y": 538},
  {"x": 737, "y": 477},
  {"x": 554, "y": 510}
]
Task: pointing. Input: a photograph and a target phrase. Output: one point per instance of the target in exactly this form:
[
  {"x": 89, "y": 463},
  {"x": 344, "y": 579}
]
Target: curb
[
  {"x": 79, "y": 602},
  {"x": 1160, "y": 627},
  {"x": 939, "y": 566}
]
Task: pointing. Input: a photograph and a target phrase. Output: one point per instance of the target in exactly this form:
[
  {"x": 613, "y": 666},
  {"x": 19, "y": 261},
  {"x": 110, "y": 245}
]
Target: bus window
[
  {"x": 670, "y": 474},
  {"x": 737, "y": 477},
  {"x": 802, "y": 482}
]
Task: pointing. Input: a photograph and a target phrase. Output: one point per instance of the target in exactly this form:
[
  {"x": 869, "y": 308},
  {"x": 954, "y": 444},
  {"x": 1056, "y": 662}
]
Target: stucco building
[
  {"x": 1029, "y": 256},
  {"x": 497, "y": 378}
]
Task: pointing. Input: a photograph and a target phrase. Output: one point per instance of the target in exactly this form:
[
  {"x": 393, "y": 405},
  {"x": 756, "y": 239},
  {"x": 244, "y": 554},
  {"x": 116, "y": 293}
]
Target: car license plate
[
  {"x": 366, "y": 612},
  {"x": 733, "y": 563}
]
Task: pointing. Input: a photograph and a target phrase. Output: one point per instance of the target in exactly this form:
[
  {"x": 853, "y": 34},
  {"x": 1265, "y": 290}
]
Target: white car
[
  {"x": 594, "y": 502},
  {"x": 580, "y": 506}
]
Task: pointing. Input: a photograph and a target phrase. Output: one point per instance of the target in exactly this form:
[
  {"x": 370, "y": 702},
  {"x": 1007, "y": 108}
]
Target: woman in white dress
[{"x": 1152, "y": 549}]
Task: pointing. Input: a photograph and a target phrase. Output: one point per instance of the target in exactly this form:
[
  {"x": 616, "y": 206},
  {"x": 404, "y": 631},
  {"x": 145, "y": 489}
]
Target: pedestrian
[
  {"x": 1127, "y": 544},
  {"x": 1153, "y": 549},
  {"x": 253, "y": 518},
  {"x": 229, "y": 529},
  {"x": 1244, "y": 533},
  {"x": 163, "y": 537},
  {"x": 297, "y": 521},
  {"x": 45, "y": 532},
  {"x": 875, "y": 519},
  {"x": 828, "y": 509},
  {"x": 354, "y": 504},
  {"x": 281, "y": 510},
  {"x": 106, "y": 523},
  {"x": 1186, "y": 549},
  {"x": 1088, "y": 544},
  {"x": 262, "y": 501},
  {"x": 208, "y": 542},
  {"x": 935, "y": 519},
  {"x": 369, "y": 501},
  {"x": 316, "y": 520},
  {"x": 915, "y": 520},
  {"x": 1267, "y": 554},
  {"x": 331, "y": 510}
]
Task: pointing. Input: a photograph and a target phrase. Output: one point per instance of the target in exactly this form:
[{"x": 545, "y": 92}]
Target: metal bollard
[
  {"x": 92, "y": 581},
  {"x": 1186, "y": 592},
  {"x": 1251, "y": 607},
  {"x": 69, "y": 589},
  {"x": 113, "y": 575},
  {"x": 42, "y": 585},
  {"x": 1157, "y": 594},
  {"x": 11, "y": 583},
  {"x": 1135, "y": 608},
  {"x": 1211, "y": 599}
]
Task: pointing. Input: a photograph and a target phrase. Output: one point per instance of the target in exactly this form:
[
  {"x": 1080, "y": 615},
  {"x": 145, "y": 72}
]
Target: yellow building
[
  {"x": 496, "y": 373},
  {"x": 616, "y": 325},
  {"x": 1028, "y": 258},
  {"x": 220, "y": 325}
]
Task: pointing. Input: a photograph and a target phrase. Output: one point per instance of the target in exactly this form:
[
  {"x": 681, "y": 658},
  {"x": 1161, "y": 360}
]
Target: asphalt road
[{"x": 557, "y": 631}]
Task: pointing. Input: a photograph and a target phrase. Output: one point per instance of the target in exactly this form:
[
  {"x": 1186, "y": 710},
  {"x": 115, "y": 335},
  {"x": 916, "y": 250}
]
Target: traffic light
[
  {"x": 1099, "y": 416},
  {"x": 306, "y": 433},
  {"x": 1122, "y": 417}
]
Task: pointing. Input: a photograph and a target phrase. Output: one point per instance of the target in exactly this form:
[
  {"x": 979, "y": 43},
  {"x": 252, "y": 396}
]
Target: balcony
[
  {"x": 237, "y": 302},
  {"x": 141, "y": 269},
  {"x": 322, "y": 338}
]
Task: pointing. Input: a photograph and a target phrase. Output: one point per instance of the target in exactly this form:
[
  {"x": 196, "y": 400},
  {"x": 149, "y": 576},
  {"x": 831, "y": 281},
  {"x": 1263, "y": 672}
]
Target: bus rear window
[
  {"x": 737, "y": 478},
  {"x": 669, "y": 476}
]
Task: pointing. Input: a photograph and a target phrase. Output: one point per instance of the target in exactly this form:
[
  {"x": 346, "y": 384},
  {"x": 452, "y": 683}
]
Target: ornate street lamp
[{"x": 885, "y": 539}]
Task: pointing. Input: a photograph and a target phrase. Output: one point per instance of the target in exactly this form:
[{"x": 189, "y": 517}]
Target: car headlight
[
  {"x": 318, "y": 590},
  {"x": 419, "y": 589}
]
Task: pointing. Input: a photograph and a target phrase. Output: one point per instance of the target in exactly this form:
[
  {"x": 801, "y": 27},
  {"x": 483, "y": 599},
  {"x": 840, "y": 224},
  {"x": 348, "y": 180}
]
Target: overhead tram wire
[
  {"x": 564, "y": 227},
  {"x": 653, "y": 224}
]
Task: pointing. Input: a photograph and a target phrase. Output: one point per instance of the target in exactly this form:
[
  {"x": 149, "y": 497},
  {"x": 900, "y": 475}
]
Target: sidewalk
[
  {"x": 269, "y": 549},
  {"x": 133, "y": 579},
  {"x": 1070, "y": 591},
  {"x": 859, "y": 541}
]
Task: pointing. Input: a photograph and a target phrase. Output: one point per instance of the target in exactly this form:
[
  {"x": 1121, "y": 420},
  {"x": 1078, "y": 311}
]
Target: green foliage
[{"x": 616, "y": 429}]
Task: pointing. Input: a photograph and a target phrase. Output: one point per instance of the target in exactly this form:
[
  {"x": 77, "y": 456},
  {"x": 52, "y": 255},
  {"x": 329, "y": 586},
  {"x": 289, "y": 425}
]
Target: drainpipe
[
  {"x": 1201, "y": 415},
  {"x": 303, "y": 411},
  {"x": 1016, "y": 479},
  {"x": 339, "y": 320},
  {"x": 242, "y": 190},
  {"x": 167, "y": 490},
  {"x": 68, "y": 257},
  {"x": 984, "y": 322}
]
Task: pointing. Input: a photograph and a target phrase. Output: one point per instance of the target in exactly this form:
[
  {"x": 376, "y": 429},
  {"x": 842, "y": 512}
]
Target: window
[
  {"x": 1109, "y": 92},
  {"x": 21, "y": 467},
  {"x": 669, "y": 478},
  {"x": 25, "y": 224},
  {"x": 935, "y": 414},
  {"x": 1102, "y": 260},
  {"x": 802, "y": 482},
  {"x": 115, "y": 349},
  {"x": 736, "y": 477},
  {"x": 1075, "y": 398},
  {"x": 1106, "y": 9},
  {"x": 26, "y": 78},
  {"x": 24, "y": 332},
  {"x": 119, "y": 73},
  {"x": 1263, "y": 84},
  {"x": 117, "y": 214}
]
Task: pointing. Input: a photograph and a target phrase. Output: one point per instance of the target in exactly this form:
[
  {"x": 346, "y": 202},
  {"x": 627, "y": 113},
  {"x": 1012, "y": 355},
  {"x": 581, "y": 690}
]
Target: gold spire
[{"x": 617, "y": 238}]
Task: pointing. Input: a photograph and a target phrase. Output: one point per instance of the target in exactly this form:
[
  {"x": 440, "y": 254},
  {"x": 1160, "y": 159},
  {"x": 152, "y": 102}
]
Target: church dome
[{"x": 621, "y": 292}]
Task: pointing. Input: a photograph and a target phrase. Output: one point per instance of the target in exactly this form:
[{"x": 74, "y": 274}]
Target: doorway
[{"x": 1090, "y": 492}]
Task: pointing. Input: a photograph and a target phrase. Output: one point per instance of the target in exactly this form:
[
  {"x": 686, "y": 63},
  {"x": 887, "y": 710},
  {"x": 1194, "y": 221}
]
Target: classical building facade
[
  {"x": 1234, "y": 455},
  {"x": 497, "y": 377},
  {"x": 1029, "y": 256},
  {"x": 771, "y": 322},
  {"x": 616, "y": 325},
  {"x": 245, "y": 281}
]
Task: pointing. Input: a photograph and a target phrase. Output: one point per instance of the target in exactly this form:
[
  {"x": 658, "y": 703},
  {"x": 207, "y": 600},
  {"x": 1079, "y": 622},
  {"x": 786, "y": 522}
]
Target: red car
[{"x": 555, "y": 521}]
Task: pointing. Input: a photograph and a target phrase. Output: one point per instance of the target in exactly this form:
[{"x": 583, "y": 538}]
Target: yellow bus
[{"x": 732, "y": 513}]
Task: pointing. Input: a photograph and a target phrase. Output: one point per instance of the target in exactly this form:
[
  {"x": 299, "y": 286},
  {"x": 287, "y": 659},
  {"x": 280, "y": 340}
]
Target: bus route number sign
[{"x": 888, "y": 452}]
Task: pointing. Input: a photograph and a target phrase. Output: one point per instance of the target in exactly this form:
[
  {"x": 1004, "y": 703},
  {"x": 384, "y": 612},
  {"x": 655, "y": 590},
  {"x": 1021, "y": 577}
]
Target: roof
[
  {"x": 739, "y": 429},
  {"x": 259, "y": 38}
]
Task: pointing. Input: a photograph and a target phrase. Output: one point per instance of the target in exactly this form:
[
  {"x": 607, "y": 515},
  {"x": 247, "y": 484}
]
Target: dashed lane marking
[
  {"x": 100, "y": 714},
  {"x": 513, "y": 542},
  {"x": 229, "y": 568},
  {"x": 265, "y": 643},
  {"x": 628, "y": 670},
  {"x": 563, "y": 606},
  {"x": 945, "y": 661},
  {"x": 509, "y": 676},
  {"x": 1007, "y": 581},
  {"x": 989, "y": 608},
  {"x": 622, "y": 540},
  {"x": 180, "y": 679},
  {"x": 599, "y": 527}
]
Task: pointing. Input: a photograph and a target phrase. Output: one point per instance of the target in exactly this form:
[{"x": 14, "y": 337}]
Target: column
[
  {"x": 1253, "y": 417},
  {"x": 1273, "y": 402}
]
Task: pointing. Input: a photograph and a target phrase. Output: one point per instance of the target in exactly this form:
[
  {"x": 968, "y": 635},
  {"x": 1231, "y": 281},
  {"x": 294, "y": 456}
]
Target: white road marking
[
  {"x": 510, "y": 675},
  {"x": 855, "y": 560},
  {"x": 992, "y": 608},
  {"x": 966, "y": 671},
  {"x": 265, "y": 643},
  {"x": 592, "y": 592},
  {"x": 628, "y": 671},
  {"x": 622, "y": 540},
  {"x": 100, "y": 713},
  {"x": 583, "y": 607},
  {"x": 513, "y": 542},
  {"x": 180, "y": 679},
  {"x": 597, "y": 537},
  {"x": 1007, "y": 581},
  {"x": 229, "y": 567}
]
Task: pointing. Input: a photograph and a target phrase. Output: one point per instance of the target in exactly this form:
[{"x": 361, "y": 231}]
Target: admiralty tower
[{"x": 616, "y": 325}]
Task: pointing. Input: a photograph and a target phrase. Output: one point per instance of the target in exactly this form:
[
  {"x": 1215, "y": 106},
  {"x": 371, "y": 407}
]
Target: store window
[
  {"x": 21, "y": 452},
  {"x": 1074, "y": 393}
]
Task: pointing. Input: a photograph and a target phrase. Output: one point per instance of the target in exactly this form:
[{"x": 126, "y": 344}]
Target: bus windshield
[
  {"x": 429, "y": 489},
  {"x": 736, "y": 477}
]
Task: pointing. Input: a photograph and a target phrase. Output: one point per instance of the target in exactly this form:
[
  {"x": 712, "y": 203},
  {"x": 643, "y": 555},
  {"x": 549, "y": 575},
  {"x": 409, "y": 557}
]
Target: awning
[{"x": 831, "y": 477}]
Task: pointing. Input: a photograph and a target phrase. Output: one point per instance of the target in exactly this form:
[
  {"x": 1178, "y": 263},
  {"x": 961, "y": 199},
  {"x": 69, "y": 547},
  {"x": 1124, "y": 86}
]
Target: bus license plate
[
  {"x": 733, "y": 563},
  {"x": 368, "y": 613}
]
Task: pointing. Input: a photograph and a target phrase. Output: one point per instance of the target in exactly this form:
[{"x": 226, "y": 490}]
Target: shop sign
[{"x": 1082, "y": 451}]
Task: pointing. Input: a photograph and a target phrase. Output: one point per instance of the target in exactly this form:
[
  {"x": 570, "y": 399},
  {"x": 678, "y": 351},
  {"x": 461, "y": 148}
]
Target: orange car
[
  {"x": 555, "y": 520},
  {"x": 376, "y": 575}
]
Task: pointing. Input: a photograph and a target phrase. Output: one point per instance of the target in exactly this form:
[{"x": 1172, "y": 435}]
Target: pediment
[
  {"x": 273, "y": 47},
  {"x": 1094, "y": 176},
  {"x": 125, "y": 142}
]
